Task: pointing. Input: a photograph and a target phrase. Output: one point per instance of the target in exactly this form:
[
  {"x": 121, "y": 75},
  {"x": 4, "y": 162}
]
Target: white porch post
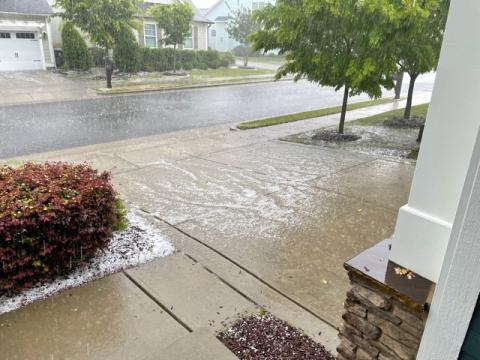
[{"x": 424, "y": 224}]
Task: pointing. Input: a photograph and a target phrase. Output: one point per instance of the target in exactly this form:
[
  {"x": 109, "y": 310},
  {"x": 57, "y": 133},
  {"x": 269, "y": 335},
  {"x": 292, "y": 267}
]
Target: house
[
  {"x": 25, "y": 35},
  {"x": 150, "y": 34},
  {"x": 219, "y": 13}
]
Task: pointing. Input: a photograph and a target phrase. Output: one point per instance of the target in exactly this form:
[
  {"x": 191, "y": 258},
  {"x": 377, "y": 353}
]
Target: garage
[{"x": 20, "y": 50}]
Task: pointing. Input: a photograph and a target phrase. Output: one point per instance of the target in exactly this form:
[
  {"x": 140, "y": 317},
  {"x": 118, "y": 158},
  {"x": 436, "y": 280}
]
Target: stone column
[{"x": 385, "y": 309}]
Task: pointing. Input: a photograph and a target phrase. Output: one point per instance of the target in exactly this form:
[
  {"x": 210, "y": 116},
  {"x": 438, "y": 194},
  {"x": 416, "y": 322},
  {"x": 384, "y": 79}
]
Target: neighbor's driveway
[{"x": 26, "y": 87}]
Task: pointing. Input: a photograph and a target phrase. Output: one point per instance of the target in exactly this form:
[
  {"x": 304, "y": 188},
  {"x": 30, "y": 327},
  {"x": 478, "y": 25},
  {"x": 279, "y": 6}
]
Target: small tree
[
  {"x": 241, "y": 25},
  {"x": 175, "y": 20},
  {"x": 75, "y": 50},
  {"x": 102, "y": 20},
  {"x": 330, "y": 42},
  {"x": 418, "y": 28}
]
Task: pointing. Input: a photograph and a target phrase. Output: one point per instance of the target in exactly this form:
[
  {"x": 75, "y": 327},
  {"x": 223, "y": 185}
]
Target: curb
[{"x": 188, "y": 87}]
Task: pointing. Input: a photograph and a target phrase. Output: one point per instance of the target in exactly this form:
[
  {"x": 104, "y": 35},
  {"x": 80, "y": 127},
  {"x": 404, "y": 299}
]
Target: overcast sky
[{"x": 202, "y": 4}]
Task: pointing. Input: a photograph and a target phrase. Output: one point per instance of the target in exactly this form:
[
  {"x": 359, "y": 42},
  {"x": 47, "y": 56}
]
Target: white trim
[
  {"x": 38, "y": 36},
  {"x": 446, "y": 146},
  {"x": 459, "y": 285},
  {"x": 150, "y": 36},
  {"x": 423, "y": 232}
]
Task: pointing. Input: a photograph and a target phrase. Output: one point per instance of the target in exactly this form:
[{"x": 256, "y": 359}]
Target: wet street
[{"x": 27, "y": 129}]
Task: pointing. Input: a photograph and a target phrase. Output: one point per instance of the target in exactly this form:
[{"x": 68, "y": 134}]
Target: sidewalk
[{"x": 257, "y": 222}]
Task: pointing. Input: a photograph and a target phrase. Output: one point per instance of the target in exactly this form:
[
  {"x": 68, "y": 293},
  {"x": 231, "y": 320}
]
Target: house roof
[
  {"x": 198, "y": 17},
  {"x": 27, "y": 7}
]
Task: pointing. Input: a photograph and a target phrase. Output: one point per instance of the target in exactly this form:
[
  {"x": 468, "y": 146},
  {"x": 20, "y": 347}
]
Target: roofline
[
  {"x": 28, "y": 14},
  {"x": 213, "y": 7}
]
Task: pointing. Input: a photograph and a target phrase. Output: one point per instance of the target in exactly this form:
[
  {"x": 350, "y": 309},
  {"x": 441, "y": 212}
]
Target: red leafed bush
[{"x": 53, "y": 217}]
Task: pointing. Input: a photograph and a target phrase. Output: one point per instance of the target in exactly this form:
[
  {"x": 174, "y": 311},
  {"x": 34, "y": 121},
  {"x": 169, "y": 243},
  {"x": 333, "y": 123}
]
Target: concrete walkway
[{"x": 257, "y": 222}]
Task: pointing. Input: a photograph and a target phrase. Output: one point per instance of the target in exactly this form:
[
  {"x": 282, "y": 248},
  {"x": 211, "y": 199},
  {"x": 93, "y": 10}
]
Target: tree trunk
[
  {"x": 108, "y": 68},
  {"x": 341, "y": 126},
  {"x": 411, "y": 86},
  {"x": 174, "y": 58},
  {"x": 398, "y": 85},
  {"x": 245, "y": 57}
]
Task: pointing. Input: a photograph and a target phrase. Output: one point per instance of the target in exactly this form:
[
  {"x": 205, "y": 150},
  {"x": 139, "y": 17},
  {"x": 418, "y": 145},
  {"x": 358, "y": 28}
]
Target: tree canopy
[
  {"x": 418, "y": 26},
  {"x": 334, "y": 43},
  {"x": 175, "y": 20},
  {"x": 241, "y": 25},
  {"x": 102, "y": 20}
]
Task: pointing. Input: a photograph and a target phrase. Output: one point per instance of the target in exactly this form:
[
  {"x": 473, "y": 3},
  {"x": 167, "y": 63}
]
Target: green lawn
[
  {"x": 276, "y": 60},
  {"x": 418, "y": 111},
  {"x": 227, "y": 72},
  {"x": 309, "y": 114}
]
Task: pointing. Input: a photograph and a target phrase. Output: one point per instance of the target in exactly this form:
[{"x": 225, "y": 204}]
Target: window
[
  {"x": 4, "y": 35},
  {"x": 150, "y": 35},
  {"x": 214, "y": 33},
  {"x": 25, "y": 35},
  {"x": 256, "y": 5},
  {"x": 188, "y": 42}
]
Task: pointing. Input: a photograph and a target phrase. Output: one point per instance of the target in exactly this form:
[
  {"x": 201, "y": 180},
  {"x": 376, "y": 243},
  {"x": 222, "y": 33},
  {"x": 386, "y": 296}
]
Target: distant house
[
  {"x": 25, "y": 35},
  {"x": 150, "y": 34},
  {"x": 219, "y": 13}
]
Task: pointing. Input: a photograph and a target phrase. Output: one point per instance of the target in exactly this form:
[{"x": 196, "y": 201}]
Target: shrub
[
  {"x": 162, "y": 59},
  {"x": 242, "y": 50},
  {"x": 75, "y": 50},
  {"x": 53, "y": 217},
  {"x": 126, "y": 54}
]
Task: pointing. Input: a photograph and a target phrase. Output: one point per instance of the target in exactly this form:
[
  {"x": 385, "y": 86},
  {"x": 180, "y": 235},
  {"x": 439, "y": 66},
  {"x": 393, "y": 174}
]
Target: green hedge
[
  {"x": 126, "y": 54},
  {"x": 162, "y": 59},
  {"x": 75, "y": 50}
]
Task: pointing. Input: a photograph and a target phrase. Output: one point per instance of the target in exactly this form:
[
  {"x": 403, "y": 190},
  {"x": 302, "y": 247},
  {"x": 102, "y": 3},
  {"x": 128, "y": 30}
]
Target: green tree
[
  {"x": 127, "y": 55},
  {"x": 75, "y": 50},
  {"x": 418, "y": 28},
  {"x": 240, "y": 26},
  {"x": 102, "y": 20},
  {"x": 175, "y": 20},
  {"x": 330, "y": 42}
]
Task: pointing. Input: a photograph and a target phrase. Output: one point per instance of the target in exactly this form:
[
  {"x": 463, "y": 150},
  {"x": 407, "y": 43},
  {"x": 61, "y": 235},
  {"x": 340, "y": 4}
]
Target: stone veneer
[
  {"x": 376, "y": 326},
  {"x": 385, "y": 311}
]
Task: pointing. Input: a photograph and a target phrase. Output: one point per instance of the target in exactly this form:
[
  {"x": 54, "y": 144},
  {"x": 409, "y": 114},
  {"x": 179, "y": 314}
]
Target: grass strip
[
  {"x": 417, "y": 111},
  {"x": 282, "y": 119}
]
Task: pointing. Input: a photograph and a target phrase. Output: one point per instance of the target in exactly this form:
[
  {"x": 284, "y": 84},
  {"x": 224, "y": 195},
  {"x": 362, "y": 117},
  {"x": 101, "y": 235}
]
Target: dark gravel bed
[
  {"x": 401, "y": 123},
  {"x": 335, "y": 136},
  {"x": 264, "y": 337}
]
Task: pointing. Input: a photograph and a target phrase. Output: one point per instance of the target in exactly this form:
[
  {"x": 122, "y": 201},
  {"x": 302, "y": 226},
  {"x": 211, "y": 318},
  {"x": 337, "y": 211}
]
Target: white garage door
[{"x": 20, "y": 51}]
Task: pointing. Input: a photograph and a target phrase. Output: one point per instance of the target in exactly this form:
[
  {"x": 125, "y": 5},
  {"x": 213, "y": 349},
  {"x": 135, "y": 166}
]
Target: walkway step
[
  {"x": 199, "y": 345},
  {"x": 194, "y": 296}
]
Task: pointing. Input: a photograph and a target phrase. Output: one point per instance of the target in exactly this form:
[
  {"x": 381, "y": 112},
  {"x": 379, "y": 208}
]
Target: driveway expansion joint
[
  {"x": 156, "y": 301},
  {"x": 278, "y": 291}
]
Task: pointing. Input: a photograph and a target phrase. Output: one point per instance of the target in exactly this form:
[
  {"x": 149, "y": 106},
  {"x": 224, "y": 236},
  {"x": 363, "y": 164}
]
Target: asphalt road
[{"x": 26, "y": 129}]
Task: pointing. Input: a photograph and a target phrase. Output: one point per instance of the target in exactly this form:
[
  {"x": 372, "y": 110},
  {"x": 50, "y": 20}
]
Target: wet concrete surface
[
  {"x": 106, "y": 319},
  {"x": 37, "y": 128},
  {"x": 273, "y": 219},
  {"x": 291, "y": 214}
]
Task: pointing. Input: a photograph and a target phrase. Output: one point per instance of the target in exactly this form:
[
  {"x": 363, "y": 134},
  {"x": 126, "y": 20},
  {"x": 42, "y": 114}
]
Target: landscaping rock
[{"x": 334, "y": 136}]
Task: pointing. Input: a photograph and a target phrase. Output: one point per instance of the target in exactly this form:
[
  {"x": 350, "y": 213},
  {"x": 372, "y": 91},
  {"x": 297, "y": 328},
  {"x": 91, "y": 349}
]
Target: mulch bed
[
  {"x": 335, "y": 136},
  {"x": 264, "y": 337}
]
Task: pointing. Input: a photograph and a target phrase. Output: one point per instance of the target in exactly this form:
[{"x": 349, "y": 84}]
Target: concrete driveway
[{"x": 26, "y": 87}]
